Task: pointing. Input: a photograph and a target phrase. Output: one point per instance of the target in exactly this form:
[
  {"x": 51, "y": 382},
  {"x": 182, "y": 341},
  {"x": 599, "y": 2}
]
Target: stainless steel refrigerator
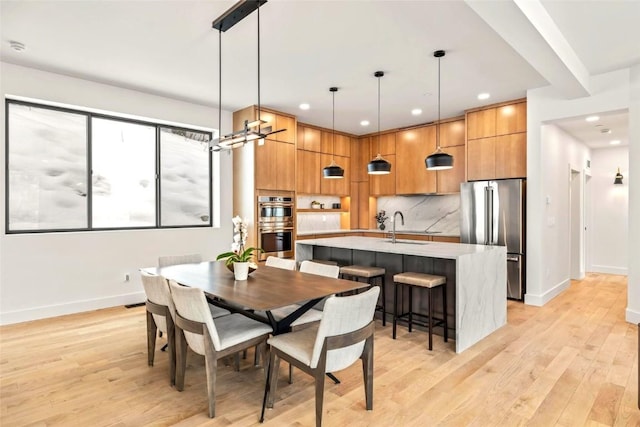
[{"x": 493, "y": 213}]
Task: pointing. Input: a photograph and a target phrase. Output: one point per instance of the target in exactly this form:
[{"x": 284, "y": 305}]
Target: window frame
[{"x": 89, "y": 152}]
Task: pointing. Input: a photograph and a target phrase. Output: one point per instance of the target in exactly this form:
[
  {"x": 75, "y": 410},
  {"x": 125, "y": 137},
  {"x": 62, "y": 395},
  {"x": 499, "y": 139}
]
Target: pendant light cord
[
  {"x": 333, "y": 125},
  {"x": 378, "y": 115},
  {"x": 259, "y": 130},
  {"x": 219, "y": 85},
  {"x": 438, "y": 128}
]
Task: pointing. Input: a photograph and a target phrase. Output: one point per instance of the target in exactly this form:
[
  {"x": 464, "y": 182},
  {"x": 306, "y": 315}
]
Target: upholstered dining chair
[
  {"x": 160, "y": 316},
  {"x": 344, "y": 335},
  {"x": 209, "y": 337},
  {"x": 165, "y": 261}
]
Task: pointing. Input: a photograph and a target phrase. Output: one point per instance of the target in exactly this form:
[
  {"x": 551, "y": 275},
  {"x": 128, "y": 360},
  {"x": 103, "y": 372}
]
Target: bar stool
[
  {"x": 422, "y": 280},
  {"x": 370, "y": 274}
]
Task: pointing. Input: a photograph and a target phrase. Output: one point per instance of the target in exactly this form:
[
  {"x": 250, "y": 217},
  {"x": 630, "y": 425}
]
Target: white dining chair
[
  {"x": 165, "y": 261},
  {"x": 344, "y": 335},
  {"x": 209, "y": 337}
]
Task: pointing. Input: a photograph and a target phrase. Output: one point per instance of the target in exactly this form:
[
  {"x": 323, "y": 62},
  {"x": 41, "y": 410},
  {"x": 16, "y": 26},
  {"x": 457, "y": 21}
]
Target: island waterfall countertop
[
  {"x": 476, "y": 275},
  {"x": 386, "y": 231}
]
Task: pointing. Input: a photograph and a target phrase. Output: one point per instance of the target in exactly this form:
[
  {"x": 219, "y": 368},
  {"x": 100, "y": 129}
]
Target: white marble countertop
[
  {"x": 406, "y": 247},
  {"x": 388, "y": 230}
]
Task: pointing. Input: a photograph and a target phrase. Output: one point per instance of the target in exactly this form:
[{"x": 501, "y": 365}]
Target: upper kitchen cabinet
[
  {"x": 497, "y": 142},
  {"x": 360, "y": 157},
  {"x": 309, "y": 138},
  {"x": 275, "y": 165},
  {"x": 335, "y": 187},
  {"x": 452, "y": 133},
  {"x": 340, "y": 146},
  {"x": 384, "y": 185},
  {"x": 448, "y": 180},
  {"x": 412, "y": 147},
  {"x": 309, "y": 172},
  {"x": 384, "y": 144},
  {"x": 273, "y": 121}
]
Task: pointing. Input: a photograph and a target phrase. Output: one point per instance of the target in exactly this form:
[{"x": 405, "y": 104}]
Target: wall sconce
[{"x": 619, "y": 177}]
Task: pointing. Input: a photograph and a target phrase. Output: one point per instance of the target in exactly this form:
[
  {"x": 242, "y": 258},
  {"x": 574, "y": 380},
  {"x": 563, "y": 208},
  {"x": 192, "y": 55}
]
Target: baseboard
[
  {"x": 542, "y": 299},
  {"x": 607, "y": 269},
  {"x": 632, "y": 316},
  {"x": 47, "y": 311}
]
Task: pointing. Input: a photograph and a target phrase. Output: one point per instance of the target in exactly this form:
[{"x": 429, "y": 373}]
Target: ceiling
[{"x": 169, "y": 48}]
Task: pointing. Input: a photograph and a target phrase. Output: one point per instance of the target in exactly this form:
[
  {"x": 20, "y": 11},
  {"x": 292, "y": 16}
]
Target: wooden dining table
[{"x": 266, "y": 289}]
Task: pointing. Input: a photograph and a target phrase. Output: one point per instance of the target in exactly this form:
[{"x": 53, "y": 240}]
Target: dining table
[{"x": 266, "y": 289}]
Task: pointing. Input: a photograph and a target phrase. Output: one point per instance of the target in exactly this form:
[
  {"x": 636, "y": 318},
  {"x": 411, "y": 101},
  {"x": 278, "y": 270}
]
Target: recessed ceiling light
[
  {"x": 17, "y": 46},
  {"x": 364, "y": 123},
  {"x": 416, "y": 111},
  {"x": 304, "y": 106},
  {"x": 615, "y": 142},
  {"x": 483, "y": 96},
  {"x": 592, "y": 118}
]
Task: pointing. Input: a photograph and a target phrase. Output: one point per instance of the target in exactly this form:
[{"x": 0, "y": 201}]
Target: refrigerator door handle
[
  {"x": 488, "y": 209},
  {"x": 513, "y": 258}
]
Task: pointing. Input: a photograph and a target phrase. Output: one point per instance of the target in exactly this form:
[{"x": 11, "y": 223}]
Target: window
[{"x": 76, "y": 170}]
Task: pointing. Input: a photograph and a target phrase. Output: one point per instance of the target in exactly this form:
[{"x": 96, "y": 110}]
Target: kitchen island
[{"x": 476, "y": 276}]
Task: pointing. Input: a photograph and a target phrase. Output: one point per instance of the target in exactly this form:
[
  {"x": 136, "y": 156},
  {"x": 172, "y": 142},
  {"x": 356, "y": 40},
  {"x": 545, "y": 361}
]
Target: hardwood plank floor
[{"x": 573, "y": 362}]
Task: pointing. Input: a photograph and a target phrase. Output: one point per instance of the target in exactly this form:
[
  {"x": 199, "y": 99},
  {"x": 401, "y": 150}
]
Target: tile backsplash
[{"x": 431, "y": 213}]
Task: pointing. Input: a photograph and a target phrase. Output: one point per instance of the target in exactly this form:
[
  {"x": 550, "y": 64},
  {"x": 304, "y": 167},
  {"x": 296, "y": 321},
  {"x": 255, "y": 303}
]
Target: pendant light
[
  {"x": 251, "y": 130},
  {"x": 333, "y": 171},
  {"x": 439, "y": 160},
  {"x": 619, "y": 177},
  {"x": 379, "y": 166}
]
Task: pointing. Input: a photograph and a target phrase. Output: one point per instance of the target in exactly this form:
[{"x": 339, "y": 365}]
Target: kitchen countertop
[
  {"x": 405, "y": 247},
  {"x": 416, "y": 232}
]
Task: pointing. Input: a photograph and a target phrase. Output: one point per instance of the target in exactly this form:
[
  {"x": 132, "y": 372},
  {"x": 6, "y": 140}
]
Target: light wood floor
[{"x": 573, "y": 362}]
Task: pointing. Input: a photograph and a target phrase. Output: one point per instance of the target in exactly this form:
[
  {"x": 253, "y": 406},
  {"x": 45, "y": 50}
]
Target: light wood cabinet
[
  {"x": 452, "y": 133},
  {"x": 287, "y": 123},
  {"x": 387, "y": 144},
  {"x": 309, "y": 171},
  {"x": 412, "y": 147},
  {"x": 511, "y": 119},
  {"x": 384, "y": 185},
  {"x": 360, "y": 152},
  {"x": 337, "y": 187},
  {"x": 446, "y": 239},
  {"x": 511, "y": 156},
  {"x": 342, "y": 144},
  {"x": 360, "y": 216},
  {"x": 498, "y": 151},
  {"x": 275, "y": 166},
  {"x": 481, "y": 124},
  {"x": 309, "y": 139},
  {"x": 448, "y": 181}
]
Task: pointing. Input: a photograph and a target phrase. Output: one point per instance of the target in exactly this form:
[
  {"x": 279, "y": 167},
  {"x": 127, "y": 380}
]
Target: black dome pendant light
[
  {"x": 333, "y": 171},
  {"x": 379, "y": 166},
  {"x": 439, "y": 160}
]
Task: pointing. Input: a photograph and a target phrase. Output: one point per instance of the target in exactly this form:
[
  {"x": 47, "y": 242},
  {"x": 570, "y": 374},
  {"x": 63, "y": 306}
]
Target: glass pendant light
[
  {"x": 438, "y": 160},
  {"x": 333, "y": 171},
  {"x": 379, "y": 166}
]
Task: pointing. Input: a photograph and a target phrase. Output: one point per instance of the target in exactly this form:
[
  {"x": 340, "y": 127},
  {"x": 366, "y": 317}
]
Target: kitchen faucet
[{"x": 393, "y": 232}]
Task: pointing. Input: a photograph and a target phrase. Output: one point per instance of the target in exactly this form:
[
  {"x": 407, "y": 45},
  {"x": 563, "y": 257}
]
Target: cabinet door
[
  {"x": 312, "y": 139},
  {"x": 343, "y": 146},
  {"x": 359, "y": 205},
  {"x": 481, "y": 124},
  {"x": 270, "y": 119},
  {"x": 336, "y": 187},
  {"x": 360, "y": 152},
  {"x": 308, "y": 178},
  {"x": 446, "y": 239},
  {"x": 449, "y": 180},
  {"x": 511, "y": 119},
  {"x": 412, "y": 147},
  {"x": 288, "y": 123},
  {"x": 384, "y": 185},
  {"x": 285, "y": 166},
  {"x": 326, "y": 144},
  {"x": 482, "y": 159},
  {"x": 266, "y": 158},
  {"x": 511, "y": 156},
  {"x": 452, "y": 133},
  {"x": 387, "y": 144}
]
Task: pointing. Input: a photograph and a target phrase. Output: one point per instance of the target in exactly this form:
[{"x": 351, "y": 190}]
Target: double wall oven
[{"x": 275, "y": 226}]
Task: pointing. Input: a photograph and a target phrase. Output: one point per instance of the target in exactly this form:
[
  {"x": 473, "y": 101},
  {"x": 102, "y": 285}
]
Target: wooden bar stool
[
  {"x": 370, "y": 274},
  {"x": 422, "y": 280}
]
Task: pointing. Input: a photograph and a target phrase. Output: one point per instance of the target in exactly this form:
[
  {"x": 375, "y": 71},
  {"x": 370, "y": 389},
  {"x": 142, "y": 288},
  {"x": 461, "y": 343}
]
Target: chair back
[
  {"x": 165, "y": 261},
  {"x": 320, "y": 269},
  {"x": 192, "y": 305},
  {"x": 157, "y": 291},
  {"x": 285, "y": 264},
  {"x": 343, "y": 315}
]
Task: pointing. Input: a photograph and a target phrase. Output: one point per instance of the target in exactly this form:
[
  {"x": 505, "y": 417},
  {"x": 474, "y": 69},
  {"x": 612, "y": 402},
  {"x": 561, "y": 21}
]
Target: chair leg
[
  {"x": 274, "y": 368},
  {"x": 151, "y": 338},
  {"x": 430, "y": 320},
  {"x": 444, "y": 312},
  {"x": 171, "y": 338},
  {"x": 290, "y": 373},
  {"x": 236, "y": 362},
  {"x": 211, "y": 365},
  {"x": 410, "y": 307},
  {"x": 181, "y": 358},
  {"x": 384, "y": 301},
  {"x": 319, "y": 382},
  {"x": 367, "y": 368},
  {"x": 395, "y": 309}
]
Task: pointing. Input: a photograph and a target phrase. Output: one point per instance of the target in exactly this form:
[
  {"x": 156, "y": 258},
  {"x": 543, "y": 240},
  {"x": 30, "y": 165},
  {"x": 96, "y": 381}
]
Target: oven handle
[{"x": 275, "y": 229}]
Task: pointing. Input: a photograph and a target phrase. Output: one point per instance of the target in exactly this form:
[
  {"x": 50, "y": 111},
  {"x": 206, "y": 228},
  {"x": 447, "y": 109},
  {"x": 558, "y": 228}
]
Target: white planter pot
[{"x": 241, "y": 270}]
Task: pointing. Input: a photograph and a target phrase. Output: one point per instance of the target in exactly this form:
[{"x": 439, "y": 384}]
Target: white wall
[
  {"x": 562, "y": 152},
  {"x": 609, "y": 211},
  {"x": 44, "y": 275},
  {"x": 612, "y": 91}
]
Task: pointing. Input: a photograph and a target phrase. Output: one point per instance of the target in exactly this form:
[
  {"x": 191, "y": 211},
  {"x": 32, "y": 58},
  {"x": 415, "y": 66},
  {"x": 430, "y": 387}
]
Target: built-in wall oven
[{"x": 275, "y": 226}]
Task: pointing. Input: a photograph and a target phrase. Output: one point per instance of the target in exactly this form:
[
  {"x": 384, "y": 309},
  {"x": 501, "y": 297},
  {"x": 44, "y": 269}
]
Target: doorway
[{"x": 576, "y": 227}]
